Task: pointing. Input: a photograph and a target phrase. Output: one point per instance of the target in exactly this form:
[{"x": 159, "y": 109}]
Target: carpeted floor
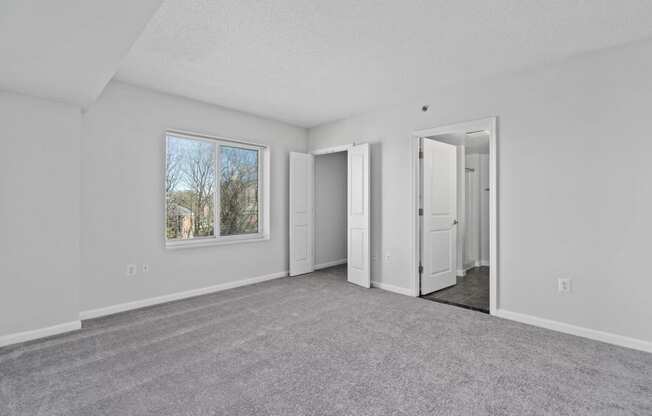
[{"x": 318, "y": 345}]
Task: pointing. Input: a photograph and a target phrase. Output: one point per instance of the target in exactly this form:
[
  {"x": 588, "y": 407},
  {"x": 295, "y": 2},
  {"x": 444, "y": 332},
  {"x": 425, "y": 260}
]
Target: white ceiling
[
  {"x": 67, "y": 50},
  {"x": 310, "y": 62},
  {"x": 300, "y": 61}
]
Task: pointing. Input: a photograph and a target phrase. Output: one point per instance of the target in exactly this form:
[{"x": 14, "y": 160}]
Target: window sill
[{"x": 175, "y": 245}]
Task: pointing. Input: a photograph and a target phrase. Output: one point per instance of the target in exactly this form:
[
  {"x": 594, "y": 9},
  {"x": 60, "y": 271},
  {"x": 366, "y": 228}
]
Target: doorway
[
  {"x": 455, "y": 217},
  {"x": 330, "y": 245},
  {"x": 319, "y": 207}
]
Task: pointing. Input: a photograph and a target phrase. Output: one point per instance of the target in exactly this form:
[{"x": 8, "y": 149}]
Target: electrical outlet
[
  {"x": 131, "y": 270},
  {"x": 387, "y": 256},
  {"x": 145, "y": 268},
  {"x": 564, "y": 285}
]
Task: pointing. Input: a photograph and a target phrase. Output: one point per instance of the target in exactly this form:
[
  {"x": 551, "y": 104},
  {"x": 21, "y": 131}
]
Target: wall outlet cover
[
  {"x": 564, "y": 285},
  {"x": 132, "y": 269}
]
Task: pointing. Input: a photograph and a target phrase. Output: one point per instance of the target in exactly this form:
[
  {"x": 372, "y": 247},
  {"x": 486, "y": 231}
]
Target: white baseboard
[
  {"x": 462, "y": 272},
  {"x": 39, "y": 333},
  {"x": 633, "y": 343},
  {"x": 330, "y": 264},
  {"x": 392, "y": 288},
  {"x": 122, "y": 307}
]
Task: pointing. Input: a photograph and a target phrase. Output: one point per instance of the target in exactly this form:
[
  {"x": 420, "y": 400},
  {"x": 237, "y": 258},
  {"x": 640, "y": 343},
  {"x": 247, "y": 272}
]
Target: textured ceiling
[
  {"x": 310, "y": 62},
  {"x": 67, "y": 50}
]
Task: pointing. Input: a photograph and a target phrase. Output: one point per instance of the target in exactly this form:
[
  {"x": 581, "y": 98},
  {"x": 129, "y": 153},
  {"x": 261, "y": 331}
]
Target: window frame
[{"x": 263, "y": 233}]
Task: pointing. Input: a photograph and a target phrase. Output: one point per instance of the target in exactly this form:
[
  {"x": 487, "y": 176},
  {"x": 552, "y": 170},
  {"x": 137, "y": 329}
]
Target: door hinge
[
  {"x": 420, "y": 268},
  {"x": 420, "y": 154},
  {"x": 421, "y": 212}
]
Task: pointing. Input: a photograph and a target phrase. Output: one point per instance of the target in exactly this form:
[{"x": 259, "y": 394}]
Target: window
[{"x": 214, "y": 190}]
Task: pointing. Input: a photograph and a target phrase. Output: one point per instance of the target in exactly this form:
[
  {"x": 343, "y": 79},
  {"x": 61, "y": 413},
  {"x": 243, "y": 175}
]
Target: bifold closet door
[
  {"x": 359, "y": 264},
  {"x": 302, "y": 168}
]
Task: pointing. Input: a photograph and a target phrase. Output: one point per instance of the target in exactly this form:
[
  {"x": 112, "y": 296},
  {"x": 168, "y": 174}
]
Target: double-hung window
[{"x": 215, "y": 190}]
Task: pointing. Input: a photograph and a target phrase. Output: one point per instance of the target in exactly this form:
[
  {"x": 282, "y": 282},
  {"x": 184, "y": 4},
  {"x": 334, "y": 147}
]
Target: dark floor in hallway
[{"x": 471, "y": 291}]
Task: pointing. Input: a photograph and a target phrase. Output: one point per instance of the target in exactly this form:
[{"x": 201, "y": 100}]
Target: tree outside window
[{"x": 192, "y": 189}]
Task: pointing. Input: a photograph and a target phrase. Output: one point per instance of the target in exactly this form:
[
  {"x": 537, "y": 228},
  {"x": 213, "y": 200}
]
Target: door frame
[
  {"x": 334, "y": 149},
  {"x": 490, "y": 125}
]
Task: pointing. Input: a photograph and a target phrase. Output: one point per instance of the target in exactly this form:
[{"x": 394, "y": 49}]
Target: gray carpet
[{"x": 319, "y": 346}]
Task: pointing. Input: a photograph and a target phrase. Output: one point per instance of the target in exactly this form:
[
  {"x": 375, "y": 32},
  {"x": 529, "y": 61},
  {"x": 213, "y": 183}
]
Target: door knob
[{"x": 454, "y": 222}]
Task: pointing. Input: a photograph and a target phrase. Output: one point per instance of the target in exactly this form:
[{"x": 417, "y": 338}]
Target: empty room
[{"x": 361, "y": 207}]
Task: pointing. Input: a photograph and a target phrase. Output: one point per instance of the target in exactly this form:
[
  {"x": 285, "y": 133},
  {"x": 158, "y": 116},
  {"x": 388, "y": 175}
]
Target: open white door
[
  {"x": 359, "y": 265},
  {"x": 301, "y": 213},
  {"x": 439, "y": 220}
]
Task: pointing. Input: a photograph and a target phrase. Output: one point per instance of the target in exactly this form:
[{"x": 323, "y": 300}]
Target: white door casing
[
  {"x": 359, "y": 264},
  {"x": 439, "y": 220},
  {"x": 301, "y": 213}
]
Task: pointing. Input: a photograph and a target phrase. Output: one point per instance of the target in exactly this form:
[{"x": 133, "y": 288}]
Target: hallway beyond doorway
[{"x": 471, "y": 291}]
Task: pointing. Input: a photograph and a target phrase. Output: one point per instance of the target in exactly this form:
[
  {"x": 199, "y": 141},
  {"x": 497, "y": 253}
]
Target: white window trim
[{"x": 263, "y": 193}]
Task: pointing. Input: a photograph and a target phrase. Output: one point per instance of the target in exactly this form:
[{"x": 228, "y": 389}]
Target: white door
[
  {"x": 439, "y": 220},
  {"x": 301, "y": 213},
  {"x": 359, "y": 265}
]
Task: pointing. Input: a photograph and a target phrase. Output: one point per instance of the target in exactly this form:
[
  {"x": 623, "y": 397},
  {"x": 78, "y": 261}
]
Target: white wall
[
  {"x": 39, "y": 213},
  {"x": 122, "y": 201},
  {"x": 330, "y": 207},
  {"x": 476, "y": 244},
  {"x": 472, "y": 217},
  {"x": 574, "y": 198},
  {"x": 483, "y": 169},
  {"x": 461, "y": 207}
]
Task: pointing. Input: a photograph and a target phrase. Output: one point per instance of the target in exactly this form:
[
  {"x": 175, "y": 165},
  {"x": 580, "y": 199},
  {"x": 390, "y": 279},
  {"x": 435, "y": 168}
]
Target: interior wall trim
[
  {"x": 330, "y": 264},
  {"x": 608, "y": 337},
  {"x": 122, "y": 307},
  {"x": 392, "y": 288},
  {"x": 39, "y": 333}
]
